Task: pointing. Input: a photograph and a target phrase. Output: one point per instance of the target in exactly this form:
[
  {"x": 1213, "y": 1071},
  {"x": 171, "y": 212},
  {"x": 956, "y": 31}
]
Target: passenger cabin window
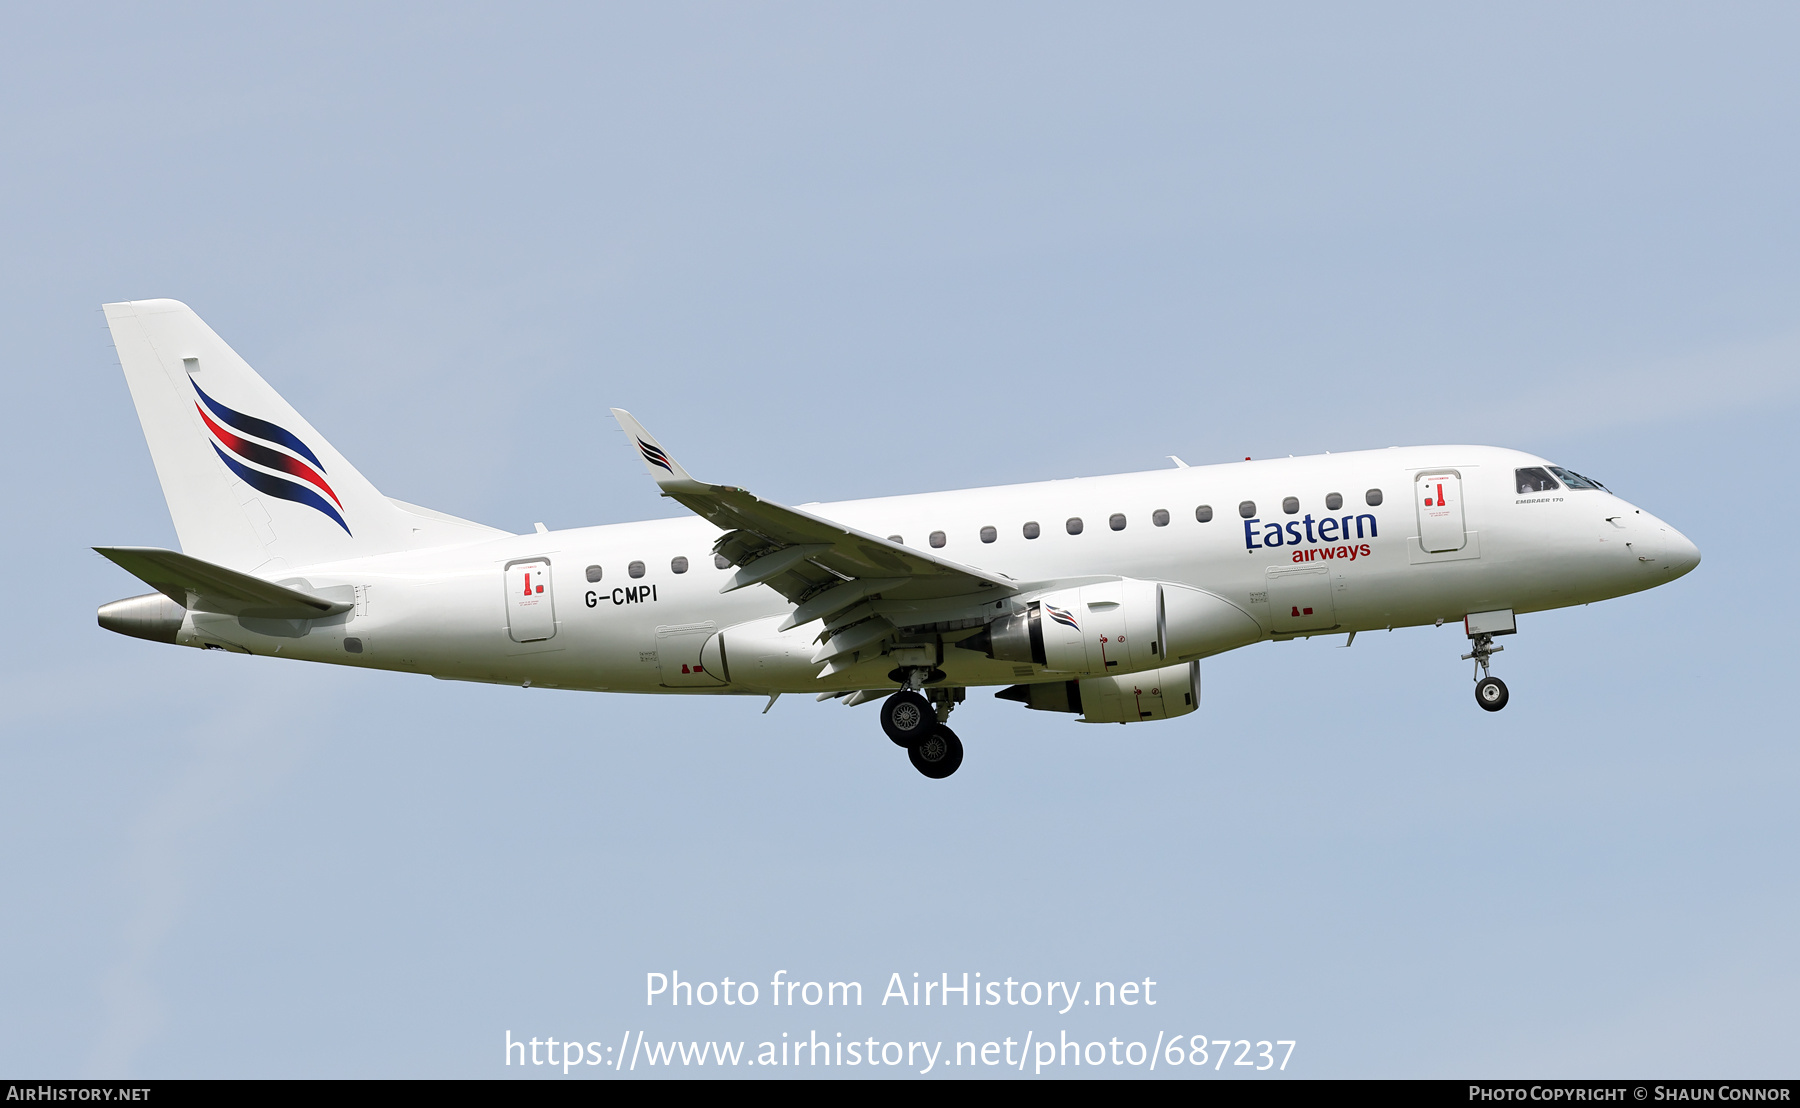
[
  {"x": 1372, "y": 498},
  {"x": 720, "y": 561},
  {"x": 593, "y": 574},
  {"x": 1533, "y": 479},
  {"x": 1334, "y": 501},
  {"x": 1074, "y": 525},
  {"x": 988, "y": 534},
  {"x": 1575, "y": 480},
  {"x": 1204, "y": 513},
  {"x": 1117, "y": 522},
  {"x": 636, "y": 569},
  {"x": 937, "y": 539},
  {"x": 1247, "y": 509},
  {"x": 1291, "y": 505},
  {"x": 1032, "y": 530},
  {"x": 1160, "y": 517},
  {"x": 678, "y": 564}
]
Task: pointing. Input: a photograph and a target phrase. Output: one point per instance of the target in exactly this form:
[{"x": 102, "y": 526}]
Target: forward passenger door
[{"x": 1438, "y": 499}]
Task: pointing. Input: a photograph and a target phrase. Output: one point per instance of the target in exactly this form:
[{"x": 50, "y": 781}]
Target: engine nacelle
[
  {"x": 1132, "y": 698},
  {"x": 1161, "y": 693},
  {"x": 1114, "y": 627}
]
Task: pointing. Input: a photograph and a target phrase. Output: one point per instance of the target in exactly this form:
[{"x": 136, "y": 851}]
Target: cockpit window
[
  {"x": 1534, "y": 479},
  {"x": 1575, "y": 480}
]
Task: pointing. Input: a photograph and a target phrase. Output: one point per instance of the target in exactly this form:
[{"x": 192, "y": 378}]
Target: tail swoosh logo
[
  {"x": 293, "y": 473},
  {"x": 654, "y": 455}
]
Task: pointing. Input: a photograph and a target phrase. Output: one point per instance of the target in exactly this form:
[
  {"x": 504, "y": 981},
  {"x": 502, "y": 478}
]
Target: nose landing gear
[
  {"x": 918, "y": 723},
  {"x": 1490, "y": 691}
]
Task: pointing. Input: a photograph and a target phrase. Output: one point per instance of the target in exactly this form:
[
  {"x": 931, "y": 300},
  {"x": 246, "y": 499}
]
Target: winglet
[{"x": 664, "y": 470}]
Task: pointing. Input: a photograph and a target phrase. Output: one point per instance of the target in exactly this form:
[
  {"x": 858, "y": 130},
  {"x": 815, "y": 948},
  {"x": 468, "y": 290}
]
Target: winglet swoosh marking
[{"x": 654, "y": 455}]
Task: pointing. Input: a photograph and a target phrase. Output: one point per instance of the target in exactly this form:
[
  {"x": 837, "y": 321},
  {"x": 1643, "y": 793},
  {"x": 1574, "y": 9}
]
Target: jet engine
[
  {"x": 1161, "y": 693},
  {"x": 1115, "y": 627}
]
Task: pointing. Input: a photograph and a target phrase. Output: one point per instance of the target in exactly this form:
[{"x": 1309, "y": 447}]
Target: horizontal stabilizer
[{"x": 205, "y": 587}]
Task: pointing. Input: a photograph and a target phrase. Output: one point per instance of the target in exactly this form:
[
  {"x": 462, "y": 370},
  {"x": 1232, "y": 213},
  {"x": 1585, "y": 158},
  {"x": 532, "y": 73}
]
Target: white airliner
[{"x": 1096, "y": 597}]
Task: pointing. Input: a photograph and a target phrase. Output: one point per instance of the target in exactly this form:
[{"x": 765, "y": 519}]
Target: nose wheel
[{"x": 1490, "y": 691}]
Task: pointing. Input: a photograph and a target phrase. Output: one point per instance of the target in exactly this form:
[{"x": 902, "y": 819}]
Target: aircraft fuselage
[{"x": 618, "y": 607}]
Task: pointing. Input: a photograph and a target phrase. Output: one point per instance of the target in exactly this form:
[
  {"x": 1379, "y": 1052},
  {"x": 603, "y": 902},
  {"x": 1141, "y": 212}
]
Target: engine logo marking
[{"x": 1063, "y": 617}]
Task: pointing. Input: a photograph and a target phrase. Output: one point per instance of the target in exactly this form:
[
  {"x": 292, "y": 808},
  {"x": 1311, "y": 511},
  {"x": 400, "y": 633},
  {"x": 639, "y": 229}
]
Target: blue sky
[{"x": 846, "y": 251}]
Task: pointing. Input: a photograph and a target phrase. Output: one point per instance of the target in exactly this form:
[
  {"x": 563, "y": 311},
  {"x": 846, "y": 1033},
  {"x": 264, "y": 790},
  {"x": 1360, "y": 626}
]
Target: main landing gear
[
  {"x": 917, "y": 722},
  {"x": 938, "y": 755},
  {"x": 907, "y": 718},
  {"x": 1490, "y": 691}
]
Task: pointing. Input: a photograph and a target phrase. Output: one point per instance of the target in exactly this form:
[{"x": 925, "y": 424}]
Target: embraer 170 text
[{"x": 1096, "y": 597}]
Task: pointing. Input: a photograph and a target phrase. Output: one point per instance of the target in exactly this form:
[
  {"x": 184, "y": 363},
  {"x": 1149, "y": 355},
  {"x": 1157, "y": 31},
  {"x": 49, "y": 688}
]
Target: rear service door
[
  {"x": 678, "y": 656},
  {"x": 1300, "y": 599},
  {"x": 1438, "y": 497},
  {"x": 530, "y": 612}
]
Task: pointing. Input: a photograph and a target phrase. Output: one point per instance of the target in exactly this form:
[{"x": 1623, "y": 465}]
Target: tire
[
  {"x": 938, "y": 755},
  {"x": 1490, "y": 693},
  {"x": 907, "y": 718}
]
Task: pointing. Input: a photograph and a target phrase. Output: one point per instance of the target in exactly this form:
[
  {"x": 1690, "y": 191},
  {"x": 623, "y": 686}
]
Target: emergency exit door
[
  {"x": 1438, "y": 498},
  {"x": 530, "y": 612}
]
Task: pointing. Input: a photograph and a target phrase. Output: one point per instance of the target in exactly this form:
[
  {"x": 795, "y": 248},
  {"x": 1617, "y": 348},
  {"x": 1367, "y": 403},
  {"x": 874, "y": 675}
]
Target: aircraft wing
[
  {"x": 202, "y": 586},
  {"x": 818, "y": 564}
]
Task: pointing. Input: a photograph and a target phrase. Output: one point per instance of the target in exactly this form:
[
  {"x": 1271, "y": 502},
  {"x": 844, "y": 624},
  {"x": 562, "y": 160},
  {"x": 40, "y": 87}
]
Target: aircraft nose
[{"x": 1682, "y": 554}]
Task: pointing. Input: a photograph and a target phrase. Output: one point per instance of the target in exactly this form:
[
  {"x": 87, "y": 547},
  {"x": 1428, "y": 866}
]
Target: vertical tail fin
[{"x": 250, "y": 484}]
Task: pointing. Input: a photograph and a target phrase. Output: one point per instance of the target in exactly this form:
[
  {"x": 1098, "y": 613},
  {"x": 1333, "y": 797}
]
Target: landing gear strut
[
  {"x": 916, "y": 722},
  {"x": 1490, "y": 691}
]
